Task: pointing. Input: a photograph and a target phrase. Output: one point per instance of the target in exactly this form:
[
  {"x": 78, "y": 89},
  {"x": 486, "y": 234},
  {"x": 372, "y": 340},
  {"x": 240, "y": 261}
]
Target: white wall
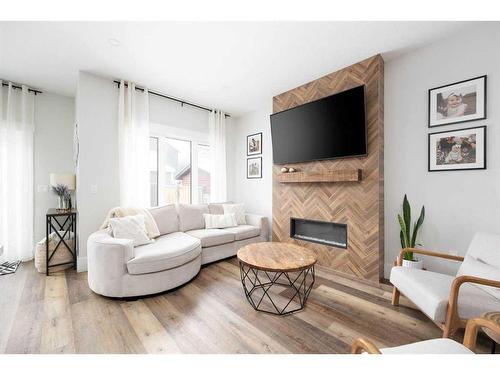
[
  {"x": 172, "y": 114},
  {"x": 255, "y": 193},
  {"x": 53, "y": 150},
  {"x": 457, "y": 203},
  {"x": 97, "y": 117},
  {"x": 97, "y": 177}
]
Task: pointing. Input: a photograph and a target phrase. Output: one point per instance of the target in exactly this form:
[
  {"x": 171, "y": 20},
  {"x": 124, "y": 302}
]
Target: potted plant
[
  {"x": 62, "y": 193},
  {"x": 408, "y": 234}
]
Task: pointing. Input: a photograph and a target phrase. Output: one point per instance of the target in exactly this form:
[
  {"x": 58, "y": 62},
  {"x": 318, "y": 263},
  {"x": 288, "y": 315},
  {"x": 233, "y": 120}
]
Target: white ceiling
[{"x": 237, "y": 67}]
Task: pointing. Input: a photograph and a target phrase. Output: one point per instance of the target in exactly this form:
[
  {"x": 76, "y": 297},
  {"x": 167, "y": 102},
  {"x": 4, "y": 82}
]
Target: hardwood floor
[{"x": 59, "y": 314}]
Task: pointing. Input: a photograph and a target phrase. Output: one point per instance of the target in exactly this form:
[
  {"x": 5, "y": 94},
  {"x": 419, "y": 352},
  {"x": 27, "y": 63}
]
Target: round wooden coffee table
[{"x": 277, "y": 277}]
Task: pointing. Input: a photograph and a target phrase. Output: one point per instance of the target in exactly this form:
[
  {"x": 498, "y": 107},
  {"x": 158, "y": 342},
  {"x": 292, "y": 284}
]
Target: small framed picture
[
  {"x": 460, "y": 149},
  {"x": 254, "y": 167},
  {"x": 254, "y": 144},
  {"x": 458, "y": 102}
]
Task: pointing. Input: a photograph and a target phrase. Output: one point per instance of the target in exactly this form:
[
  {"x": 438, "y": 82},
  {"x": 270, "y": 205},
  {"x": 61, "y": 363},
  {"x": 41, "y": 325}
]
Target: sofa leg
[{"x": 395, "y": 296}]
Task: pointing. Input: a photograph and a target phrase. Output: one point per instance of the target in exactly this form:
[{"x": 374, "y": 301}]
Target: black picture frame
[
  {"x": 484, "y": 107},
  {"x": 248, "y": 150},
  {"x": 260, "y": 170},
  {"x": 484, "y": 153}
]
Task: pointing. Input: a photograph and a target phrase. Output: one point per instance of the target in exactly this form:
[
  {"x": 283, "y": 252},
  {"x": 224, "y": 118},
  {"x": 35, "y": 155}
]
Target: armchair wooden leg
[
  {"x": 451, "y": 325},
  {"x": 395, "y": 297}
]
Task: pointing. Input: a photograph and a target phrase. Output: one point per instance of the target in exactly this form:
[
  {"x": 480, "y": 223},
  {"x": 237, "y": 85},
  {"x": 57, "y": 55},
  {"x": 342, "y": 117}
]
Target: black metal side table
[{"x": 60, "y": 221}]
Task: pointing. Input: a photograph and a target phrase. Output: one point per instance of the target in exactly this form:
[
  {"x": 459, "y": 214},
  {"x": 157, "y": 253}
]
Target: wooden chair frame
[
  {"x": 453, "y": 320},
  {"x": 364, "y": 345}
]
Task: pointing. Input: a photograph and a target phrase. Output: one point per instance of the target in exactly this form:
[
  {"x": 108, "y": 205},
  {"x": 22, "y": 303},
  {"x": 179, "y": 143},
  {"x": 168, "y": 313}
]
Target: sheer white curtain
[
  {"x": 16, "y": 172},
  {"x": 133, "y": 138},
  {"x": 217, "y": 138}
]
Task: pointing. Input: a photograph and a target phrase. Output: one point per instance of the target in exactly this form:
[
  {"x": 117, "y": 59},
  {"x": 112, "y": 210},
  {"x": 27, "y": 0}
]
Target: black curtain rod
[
  {"x": 171, "y": 98},
  {"x": 20, "y": 88}
]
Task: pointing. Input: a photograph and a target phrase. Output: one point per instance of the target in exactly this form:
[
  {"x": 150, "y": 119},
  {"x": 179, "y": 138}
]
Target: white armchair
[
  {"x": 451, "y": 300},
  {"x": 434, "y": 346}
]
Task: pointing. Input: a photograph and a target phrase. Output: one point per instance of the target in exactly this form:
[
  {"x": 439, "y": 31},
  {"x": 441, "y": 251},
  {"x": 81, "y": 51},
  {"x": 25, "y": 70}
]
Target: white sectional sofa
[{"x": 117, "y": 269}]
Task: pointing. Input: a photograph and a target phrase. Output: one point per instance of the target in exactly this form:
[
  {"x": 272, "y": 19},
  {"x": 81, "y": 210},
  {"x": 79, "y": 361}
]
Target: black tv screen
[{"x": 328, "y": 128}]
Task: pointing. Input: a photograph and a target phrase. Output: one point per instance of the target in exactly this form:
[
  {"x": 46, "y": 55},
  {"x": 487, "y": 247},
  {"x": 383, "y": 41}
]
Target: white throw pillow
[
  {"x": 131, "y": 228},
  {"x": 220, "y": 221},
  {"x": 237, "y": 209},
  {"x": 475, "y": 267}
]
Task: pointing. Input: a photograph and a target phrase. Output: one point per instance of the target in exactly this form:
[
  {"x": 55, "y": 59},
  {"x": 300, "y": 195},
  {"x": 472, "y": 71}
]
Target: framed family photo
[
  {"x": 459, "y": 149},
  {"x": 254, "y": 144},
  {"x": 254, "y": 167},
  {"x": 458, "y": 102}
]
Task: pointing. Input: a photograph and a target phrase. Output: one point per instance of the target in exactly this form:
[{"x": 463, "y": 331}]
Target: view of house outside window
[{"x": 172, "y": 162}]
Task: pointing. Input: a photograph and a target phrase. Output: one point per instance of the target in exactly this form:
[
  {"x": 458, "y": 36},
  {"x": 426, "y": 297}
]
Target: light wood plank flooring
[{"x": 59, "y": 314}]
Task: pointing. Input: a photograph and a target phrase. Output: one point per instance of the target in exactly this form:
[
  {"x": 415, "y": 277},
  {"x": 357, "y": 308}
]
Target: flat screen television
[{"x": 328, "y": 128}]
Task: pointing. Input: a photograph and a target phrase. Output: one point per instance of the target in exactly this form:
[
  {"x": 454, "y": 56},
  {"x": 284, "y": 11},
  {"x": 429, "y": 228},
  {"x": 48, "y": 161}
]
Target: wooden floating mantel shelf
[{"x": 341, "y": 175}]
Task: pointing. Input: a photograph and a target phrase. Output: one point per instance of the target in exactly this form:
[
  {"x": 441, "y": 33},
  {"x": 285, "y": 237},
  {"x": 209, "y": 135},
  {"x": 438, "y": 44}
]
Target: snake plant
[{"x": 407, "y": 234}]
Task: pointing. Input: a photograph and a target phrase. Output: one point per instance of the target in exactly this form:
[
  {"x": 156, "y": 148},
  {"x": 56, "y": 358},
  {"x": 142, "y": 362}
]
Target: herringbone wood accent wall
[{"x": 358, "y": 204}]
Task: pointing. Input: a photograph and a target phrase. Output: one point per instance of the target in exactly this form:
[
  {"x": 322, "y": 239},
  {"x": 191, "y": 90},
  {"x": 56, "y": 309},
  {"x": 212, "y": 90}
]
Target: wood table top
[{"x": 276, "y": 256}]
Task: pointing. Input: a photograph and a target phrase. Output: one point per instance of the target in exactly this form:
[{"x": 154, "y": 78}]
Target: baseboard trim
[{"x": 81, "y": 264}]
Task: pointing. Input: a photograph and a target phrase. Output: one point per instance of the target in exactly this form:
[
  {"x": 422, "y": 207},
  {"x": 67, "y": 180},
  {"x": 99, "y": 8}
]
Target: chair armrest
[
  {"x": 260, "y": 222},
  {"x": 364, "y": 345},
  {"x": 452, "y": 317},
  {"x": 472, "y": 328},
  {"x": 457, "y": 283},
  {"x": 427, "y": 252}
]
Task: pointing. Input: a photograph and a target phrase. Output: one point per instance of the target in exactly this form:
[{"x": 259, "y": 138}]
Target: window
[
  {"x": 179, "y": 171},
  {"x": 153, "y": 170},
  {"x": 203, "y": 173}
]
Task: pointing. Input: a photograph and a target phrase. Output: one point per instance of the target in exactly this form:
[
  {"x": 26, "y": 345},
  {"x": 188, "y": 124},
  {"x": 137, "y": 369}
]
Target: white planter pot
[{"x": 417, "y": 263}]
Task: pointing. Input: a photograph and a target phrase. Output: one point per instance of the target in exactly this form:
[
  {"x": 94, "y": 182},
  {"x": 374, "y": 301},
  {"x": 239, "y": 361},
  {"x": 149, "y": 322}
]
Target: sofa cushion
[
  {"x": 430, "y": 292},
  {"x": 168, "y": 251},
  {"x": 242, "y": 232},
  {"x": 216, "y": 208},
  {"x": 166, "y": 218},
  {"x": 212, "y": 237},
  {"x": 191, "y": 216},
  {"x": 434, "y": 346}
]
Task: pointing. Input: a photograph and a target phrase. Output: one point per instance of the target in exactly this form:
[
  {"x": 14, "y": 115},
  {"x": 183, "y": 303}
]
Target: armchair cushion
[
  {"x": 475, "y": 267},
  {"x": 486, "y": 248},
  {"x": 430, "y": 292},
  {"x": 435, "y": 346}
]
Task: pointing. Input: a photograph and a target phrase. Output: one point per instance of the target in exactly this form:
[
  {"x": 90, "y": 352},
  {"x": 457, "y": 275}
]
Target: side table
[{"x": 60, "y": 221}]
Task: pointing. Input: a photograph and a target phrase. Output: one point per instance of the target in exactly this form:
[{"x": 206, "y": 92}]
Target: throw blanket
[{"x": 150, "y": 222}]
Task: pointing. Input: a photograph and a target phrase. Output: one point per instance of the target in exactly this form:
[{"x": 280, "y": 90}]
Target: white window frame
[{"x": 162, "y": 132}]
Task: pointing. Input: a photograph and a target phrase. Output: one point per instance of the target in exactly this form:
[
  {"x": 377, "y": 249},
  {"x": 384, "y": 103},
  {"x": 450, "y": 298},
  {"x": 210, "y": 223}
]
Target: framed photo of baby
[
  {"x": 458, "y": 149},
  {"x": 458, "y": 102}
]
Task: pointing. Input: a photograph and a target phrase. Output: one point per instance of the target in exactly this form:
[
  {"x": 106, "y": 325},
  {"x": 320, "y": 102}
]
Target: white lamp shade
[{"x": 63, "y": 179}]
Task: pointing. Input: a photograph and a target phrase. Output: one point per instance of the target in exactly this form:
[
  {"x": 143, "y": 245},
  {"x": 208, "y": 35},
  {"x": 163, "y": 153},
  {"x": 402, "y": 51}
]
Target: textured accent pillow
[
  {"x": 237, "y": 209},
  {"x": 220, "y": 221},
  {"x": 475, "y": 267},
  {"x": 130, "y": 228}
]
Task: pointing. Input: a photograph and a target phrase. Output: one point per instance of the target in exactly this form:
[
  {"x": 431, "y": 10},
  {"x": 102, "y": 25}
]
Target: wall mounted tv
[{"x": 328, "y": 128}]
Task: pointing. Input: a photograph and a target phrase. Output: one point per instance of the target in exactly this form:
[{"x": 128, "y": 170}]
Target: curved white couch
[{"x": 117, "y": 269}]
